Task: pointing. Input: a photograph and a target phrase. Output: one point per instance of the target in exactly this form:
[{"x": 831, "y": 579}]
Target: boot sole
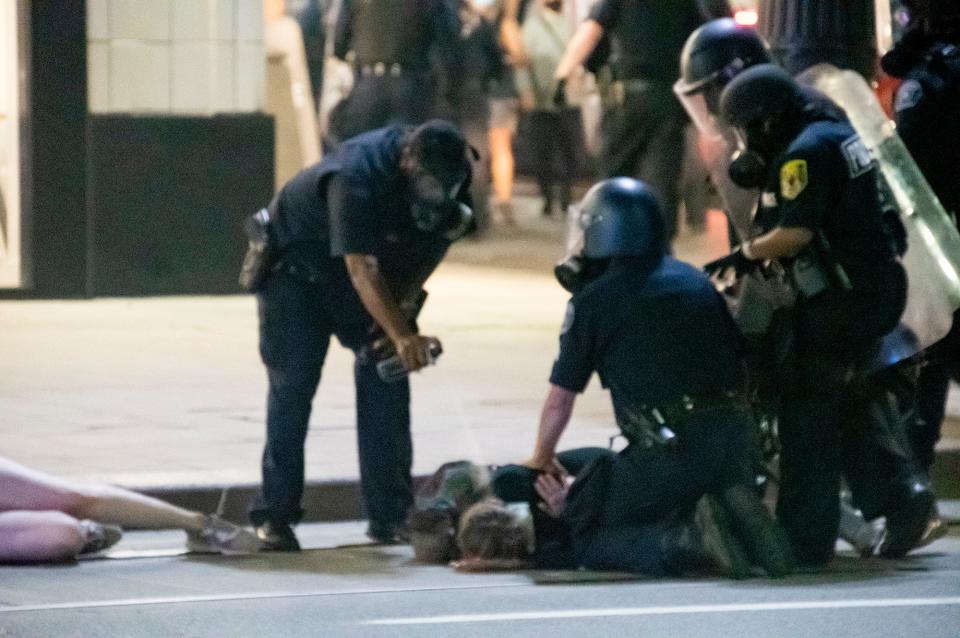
[
  {"x": 765, "y": 541},
  {"x": 719, "y": 540}
]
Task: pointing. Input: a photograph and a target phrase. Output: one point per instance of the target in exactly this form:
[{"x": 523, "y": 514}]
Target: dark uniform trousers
[
  {"x": 942, "y": 363},
  {"x": 648, "y": 488},
  {"x": 642, "y": 137},
  {"x": 297, "y": 319},
  {"x": 835, "y": 333}
]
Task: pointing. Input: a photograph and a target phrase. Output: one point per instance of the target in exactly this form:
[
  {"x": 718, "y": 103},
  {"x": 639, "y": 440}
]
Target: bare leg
[
  {"x": 501, "y": 153},
  {"x": 22, "y": 488},
  {"x": 39, "y": 536}
]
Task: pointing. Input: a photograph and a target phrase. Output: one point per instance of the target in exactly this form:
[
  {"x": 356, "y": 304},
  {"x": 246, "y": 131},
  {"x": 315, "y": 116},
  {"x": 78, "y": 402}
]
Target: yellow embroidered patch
[{"x": 793, "y": 178}]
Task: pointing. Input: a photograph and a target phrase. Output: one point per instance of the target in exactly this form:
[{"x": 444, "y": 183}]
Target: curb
[{"x": 340, "y": 500}]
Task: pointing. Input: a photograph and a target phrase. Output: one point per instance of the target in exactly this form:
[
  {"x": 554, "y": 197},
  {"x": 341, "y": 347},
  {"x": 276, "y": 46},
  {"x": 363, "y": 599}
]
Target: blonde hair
[{"x": 488, "y": 530}]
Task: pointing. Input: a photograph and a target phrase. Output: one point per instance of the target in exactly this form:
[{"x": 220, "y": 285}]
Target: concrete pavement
[{"x": 168, "y": 393}]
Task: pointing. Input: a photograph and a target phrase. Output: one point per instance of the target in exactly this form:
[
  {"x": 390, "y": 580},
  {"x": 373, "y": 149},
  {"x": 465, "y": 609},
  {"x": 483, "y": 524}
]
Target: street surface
[{"x": 359, "y": 590}]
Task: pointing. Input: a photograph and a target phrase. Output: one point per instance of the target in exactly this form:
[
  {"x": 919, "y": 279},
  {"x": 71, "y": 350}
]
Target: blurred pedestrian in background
[
  {"x": 504, "y": 110},
  {"x": 480, "y": 71},
  {"x": 643, "y": 122},
  {"x": 396, "y": 47},
  {"x": 552, "y": 121}
]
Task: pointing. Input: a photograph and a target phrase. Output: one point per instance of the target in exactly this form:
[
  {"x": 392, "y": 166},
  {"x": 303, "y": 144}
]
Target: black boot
[
  {"x": 277, "y": 537},
  {"x": 706, "y": 542},
  {"x": 765, "y": 541},
  {"x": 913, "y": 505}
]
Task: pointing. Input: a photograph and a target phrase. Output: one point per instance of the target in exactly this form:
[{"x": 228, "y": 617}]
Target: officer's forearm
[
  {"x": 554, "y": 418},
  {"x": 581, "y": 45},
  {"x": 365, "y": 276},
  {"x": 779, "y": 242}
]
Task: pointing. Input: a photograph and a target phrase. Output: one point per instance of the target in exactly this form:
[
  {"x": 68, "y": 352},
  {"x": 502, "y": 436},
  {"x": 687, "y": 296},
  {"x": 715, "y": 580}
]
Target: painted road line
[
  {"x": 668, "y": 610},
  {"x": 216, "y": 598}
]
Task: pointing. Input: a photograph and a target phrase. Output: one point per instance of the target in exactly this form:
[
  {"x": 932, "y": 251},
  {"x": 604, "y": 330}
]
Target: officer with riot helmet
[
  {"x": 350, "y": 241},
  {"x": 662, "y": 341},
  {"x": 821, "y": 219},
  {"x": 927, "y": 107},
  {"x": 399, "y": 50}
]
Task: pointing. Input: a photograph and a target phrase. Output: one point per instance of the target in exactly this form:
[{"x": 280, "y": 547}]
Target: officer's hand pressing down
[{"x": 740, "y": 262}]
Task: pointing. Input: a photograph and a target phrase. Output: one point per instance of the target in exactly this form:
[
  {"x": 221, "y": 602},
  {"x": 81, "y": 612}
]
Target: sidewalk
[{"x": 168, "y": 394}]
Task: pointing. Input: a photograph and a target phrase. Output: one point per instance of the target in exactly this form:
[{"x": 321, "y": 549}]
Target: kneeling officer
[
  {"x": 821, "y": 219},
  {"x": 353, "y": 238}
]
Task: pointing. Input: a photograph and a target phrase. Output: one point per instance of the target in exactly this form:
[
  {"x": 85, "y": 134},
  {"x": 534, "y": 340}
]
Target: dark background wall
[
  {"x": 167, "y": 197},
  {"x": 127, "y": 204}
]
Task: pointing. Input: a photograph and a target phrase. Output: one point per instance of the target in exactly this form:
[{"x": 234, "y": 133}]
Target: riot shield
[
  {"x": 932, "y": 260},
  {"x": 754, "y": 298}
]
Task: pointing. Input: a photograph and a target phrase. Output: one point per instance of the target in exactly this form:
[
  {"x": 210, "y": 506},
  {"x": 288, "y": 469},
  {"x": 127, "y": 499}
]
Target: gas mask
[
  {"x": 749, "y": 164},
  {"x": 435, "y": 207},
  {"x": 575, "y": 270}
]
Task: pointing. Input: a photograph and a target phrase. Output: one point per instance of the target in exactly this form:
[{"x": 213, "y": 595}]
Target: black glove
[
  {"x": 560, "y": 95},
  {"x": 736, "y": 260}
]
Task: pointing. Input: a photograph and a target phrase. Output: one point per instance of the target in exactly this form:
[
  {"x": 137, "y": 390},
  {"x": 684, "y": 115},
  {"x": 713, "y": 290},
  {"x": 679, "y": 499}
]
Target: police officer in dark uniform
[
  {"x": 821, "y": 219},
  {"x": 396, "y": 48},
  {"x": 642, "y": 129},
  {"x": 927, "y": 109},
  {"x": 355, "y": 235},
  {"x": 662, "y": 341}
]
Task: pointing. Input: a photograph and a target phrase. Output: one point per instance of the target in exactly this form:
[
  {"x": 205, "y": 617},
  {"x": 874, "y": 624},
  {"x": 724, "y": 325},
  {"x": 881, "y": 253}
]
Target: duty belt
[
  {"x": 380, "y": 69},
  {"x": 674, "y": 414}
]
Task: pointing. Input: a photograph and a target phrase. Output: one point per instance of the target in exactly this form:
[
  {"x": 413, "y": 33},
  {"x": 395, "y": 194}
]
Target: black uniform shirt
[
  {"x": 827, "y": 181},
  {"x": 356, "y": 201},
  {"x": 653, "y": 331},
  {"x": 395, "y": 31},
  {"x": 647, "y": 35},
  {"x": 928, "y": 119}
]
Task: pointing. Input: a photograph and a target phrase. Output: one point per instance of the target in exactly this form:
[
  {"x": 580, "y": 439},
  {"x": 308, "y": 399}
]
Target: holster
[
  {"x": 262, "y": 250},
  {"x": 816, "y": 269}
]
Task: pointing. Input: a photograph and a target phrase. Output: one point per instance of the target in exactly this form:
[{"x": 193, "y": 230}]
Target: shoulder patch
[
  {"x": 793, "y": 178},
  {"x": 858, "y": 156},
  {"x": 908, "y": 96},
  {"x": 568, "y": 318}
]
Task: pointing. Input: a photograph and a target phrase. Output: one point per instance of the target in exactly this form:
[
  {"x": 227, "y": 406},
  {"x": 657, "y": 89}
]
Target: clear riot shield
[
  {"x": 932, "y": 260},
  {"x": 754, "y": 298}
]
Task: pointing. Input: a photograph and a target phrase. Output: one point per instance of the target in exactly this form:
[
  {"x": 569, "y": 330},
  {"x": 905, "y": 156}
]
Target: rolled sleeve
[
  {"x": 575, "y": 364},
  {"x": 351, "y": 216}
]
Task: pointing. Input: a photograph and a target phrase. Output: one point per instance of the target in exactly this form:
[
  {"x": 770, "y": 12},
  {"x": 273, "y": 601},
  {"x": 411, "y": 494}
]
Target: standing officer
[
  {"x": 928, "y": 120},
  {"x": 927, "y": 110},
  {"x": 821, "y": 218},
  {"x": 661, "y": 339},
  {"x": 356, "y": 235},
  {"x": 642, "y": 129},
  {"x": 391, "y": 43}
]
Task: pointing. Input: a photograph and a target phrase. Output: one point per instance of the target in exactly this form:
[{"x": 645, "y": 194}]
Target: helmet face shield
[{"x": 575, "y": 239}]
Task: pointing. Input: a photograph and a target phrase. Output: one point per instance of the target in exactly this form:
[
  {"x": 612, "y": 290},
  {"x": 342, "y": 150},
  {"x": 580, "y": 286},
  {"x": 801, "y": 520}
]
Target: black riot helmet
[
  {"x": 716, "y": 53},
  {"x": 620, "y": 217},
  {"x": 767, "y": 108}
]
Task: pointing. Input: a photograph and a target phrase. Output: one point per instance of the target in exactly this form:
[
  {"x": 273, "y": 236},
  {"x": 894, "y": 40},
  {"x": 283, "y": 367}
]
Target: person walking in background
[
  {"x": 545, "y": 34},
  {"x": 642, "y": 129},
  {"x": 481, "y": 70},
  {"x": 395, "y": 47},
  {"x": 504, "y": 111}
]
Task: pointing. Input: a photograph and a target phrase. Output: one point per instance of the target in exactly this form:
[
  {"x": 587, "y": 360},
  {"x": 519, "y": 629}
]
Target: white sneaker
[{"x": 219, "y": 536}]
